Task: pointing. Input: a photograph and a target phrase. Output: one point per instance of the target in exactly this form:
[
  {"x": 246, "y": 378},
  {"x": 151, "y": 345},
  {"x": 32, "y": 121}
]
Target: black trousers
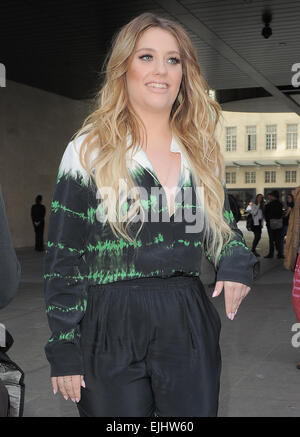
[
  {"x": 4, "y": 400},
  {"x": 257, "y": 236},
  {"x": 277, "y": 239},
  {"x": 150, "y": 345},
  {"x": 39, "y": 235}
]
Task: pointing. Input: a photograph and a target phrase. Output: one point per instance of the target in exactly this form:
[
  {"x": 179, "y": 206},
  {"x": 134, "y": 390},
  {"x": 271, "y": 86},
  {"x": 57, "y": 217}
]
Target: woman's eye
[
  {"x": 174, "y": 59},
  {"x": 177, "y": 61},
  {"x": 145, "y": 56}
]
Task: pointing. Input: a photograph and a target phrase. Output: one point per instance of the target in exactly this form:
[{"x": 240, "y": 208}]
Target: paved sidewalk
[{"x": 259, "y": 377}]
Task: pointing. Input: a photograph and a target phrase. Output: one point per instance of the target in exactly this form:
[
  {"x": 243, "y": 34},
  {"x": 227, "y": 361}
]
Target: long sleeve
[
  {"x": 65, "y": 267},
  {"x": 10, "y": 268},
  {"x": 254, "y": 210},
  {"x": 236, "y": 261},
  {"x": 266, "y": 212}
]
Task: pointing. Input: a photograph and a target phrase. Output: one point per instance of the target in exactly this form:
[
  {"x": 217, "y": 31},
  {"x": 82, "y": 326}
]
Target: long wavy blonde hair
[{"x": 193, "y": 119}]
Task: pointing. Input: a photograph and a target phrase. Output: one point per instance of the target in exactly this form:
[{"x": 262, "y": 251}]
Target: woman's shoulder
[{"x": 70, "y": 164}]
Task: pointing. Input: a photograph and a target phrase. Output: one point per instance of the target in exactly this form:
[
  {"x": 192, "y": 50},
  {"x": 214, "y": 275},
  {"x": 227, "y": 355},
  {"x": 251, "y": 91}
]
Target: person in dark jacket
[
  {"x": 38, "y": 212},
  {"x": 10, "y": 273},
  {"x": 274, "y": 220},
  {"x": 234, "y": 206},
  {"x": 271, "y": 243}
]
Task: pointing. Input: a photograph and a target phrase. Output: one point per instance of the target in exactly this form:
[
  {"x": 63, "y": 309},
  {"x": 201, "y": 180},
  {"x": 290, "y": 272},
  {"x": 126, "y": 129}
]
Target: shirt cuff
[
  {"x": 238, "y": 267},
  {"x": 65, "y": 358}
]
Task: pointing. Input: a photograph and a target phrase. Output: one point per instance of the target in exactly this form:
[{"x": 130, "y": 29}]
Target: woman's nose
[{"x": 160, "y": 66}]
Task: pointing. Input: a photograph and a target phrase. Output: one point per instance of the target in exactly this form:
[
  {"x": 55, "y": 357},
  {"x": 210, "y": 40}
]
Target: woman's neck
[{"x": 157, "y": 128}]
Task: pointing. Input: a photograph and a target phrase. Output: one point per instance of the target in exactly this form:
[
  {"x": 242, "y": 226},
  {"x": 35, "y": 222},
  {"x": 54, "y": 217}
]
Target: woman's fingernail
[
  {"x": 83, "y": 384},
  {"x": 77, "y": 399},
  {"x": 215, "y": 293},
  {"x": 54, "y": 391},
  {"x": 66, "y": 397}
]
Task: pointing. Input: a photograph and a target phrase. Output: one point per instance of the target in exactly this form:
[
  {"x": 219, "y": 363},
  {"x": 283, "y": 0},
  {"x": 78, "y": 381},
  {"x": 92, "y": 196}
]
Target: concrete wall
[{"x": 35, "y": 128}]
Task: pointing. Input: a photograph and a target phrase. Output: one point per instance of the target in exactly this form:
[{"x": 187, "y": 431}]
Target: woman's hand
[
  {"x": 235, "y": 292},
  {"x": 69, "y": 386}
]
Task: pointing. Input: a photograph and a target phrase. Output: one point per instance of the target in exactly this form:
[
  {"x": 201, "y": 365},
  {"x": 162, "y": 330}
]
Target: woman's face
[
  {"x": 259, "y": 198},
  {"x": 155, "y": 59}
]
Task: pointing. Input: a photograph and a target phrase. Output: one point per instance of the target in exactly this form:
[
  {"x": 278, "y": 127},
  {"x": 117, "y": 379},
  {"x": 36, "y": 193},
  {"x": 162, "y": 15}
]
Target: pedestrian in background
[
  {"x": 274, "y": 216},
  {"x": 256, "y": 211},
  {"x": 271, "y": 243},
  {"x": 38, "y": 212}
]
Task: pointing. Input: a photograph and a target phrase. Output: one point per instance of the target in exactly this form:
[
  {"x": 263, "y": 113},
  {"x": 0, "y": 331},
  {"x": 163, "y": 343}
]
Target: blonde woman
[{"x": 139, "y": 197}]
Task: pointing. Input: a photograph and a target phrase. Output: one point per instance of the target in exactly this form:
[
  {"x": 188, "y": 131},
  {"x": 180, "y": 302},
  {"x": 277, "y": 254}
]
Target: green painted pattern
[
  {"x": 103, "y": 276},
  {"x": 59, "y": 245},
  {"x": 75, "y": 175},
  {"x": 228, "y": 215},
  {"x": 71, "y": 335},
  {"x": 75, "y": 278},
  {"x": 56, "y": 206},
  {"x": 137, "y": 173},
  {"x": 116, "y": 246},
  {"x": 227, "y": 249},
  {"x": 150, "y": 204},
  {"x": 77, "y": 307}
]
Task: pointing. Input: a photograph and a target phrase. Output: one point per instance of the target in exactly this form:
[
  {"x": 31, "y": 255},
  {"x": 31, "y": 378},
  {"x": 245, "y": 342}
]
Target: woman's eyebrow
[{"x": 153, "y": 50}]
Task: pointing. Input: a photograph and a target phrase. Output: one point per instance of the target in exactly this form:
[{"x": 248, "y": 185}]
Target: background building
[{"x": 261, "y": 152}]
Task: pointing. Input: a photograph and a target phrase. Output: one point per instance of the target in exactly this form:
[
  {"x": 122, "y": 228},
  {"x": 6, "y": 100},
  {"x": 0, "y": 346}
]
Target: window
[
  {"x": 212, "y": 94},
  {"x": 291, "y": 136},
  {"x": 251, "y": 137},
  {"x": 271, "y": 137},
  {"x": 270, "y": 176},
  {"x": 250, "y": 177},
  {"x": 290, "y": 176},
  {"x": 231, "y": 139},
  {"x": 231, "y": 177}
]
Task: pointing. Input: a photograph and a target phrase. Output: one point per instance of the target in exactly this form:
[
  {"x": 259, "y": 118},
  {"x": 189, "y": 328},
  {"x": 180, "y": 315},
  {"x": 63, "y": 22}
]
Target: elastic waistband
[{"x": 150, "y": 283}]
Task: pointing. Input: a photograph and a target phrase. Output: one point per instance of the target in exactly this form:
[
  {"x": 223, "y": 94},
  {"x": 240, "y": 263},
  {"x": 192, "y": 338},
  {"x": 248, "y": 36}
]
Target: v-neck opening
[{"x": 152, "y": 171}]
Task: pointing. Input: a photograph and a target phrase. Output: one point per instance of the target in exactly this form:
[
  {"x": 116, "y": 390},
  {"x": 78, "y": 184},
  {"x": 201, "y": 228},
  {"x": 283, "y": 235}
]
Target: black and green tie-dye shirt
[{"x": 82, "y": 251}]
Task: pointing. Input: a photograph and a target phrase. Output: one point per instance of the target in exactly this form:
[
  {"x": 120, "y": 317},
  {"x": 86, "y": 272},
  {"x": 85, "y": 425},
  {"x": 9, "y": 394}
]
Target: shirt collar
[{"x": 141, "y": 157}]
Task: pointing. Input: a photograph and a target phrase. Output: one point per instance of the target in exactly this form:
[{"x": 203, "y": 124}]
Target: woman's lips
[{"x": 157, "y": 89}]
